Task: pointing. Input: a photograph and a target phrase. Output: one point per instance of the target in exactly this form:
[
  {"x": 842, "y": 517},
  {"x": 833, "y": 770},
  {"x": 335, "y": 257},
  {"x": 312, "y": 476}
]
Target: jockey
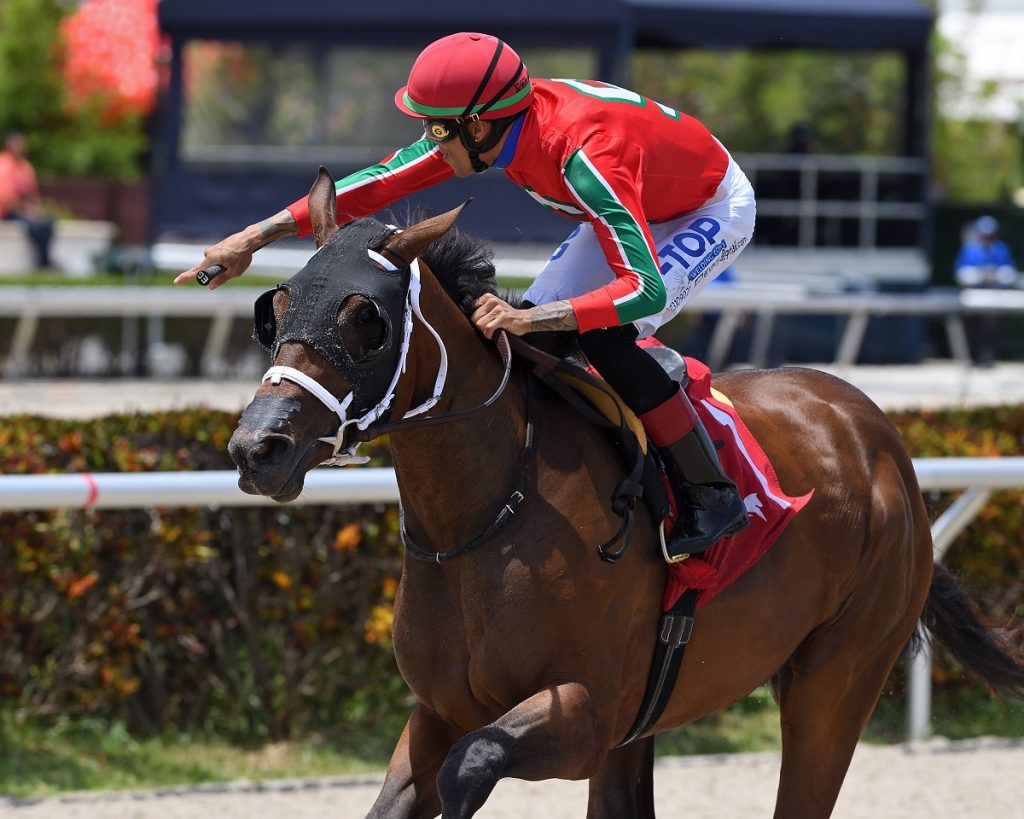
[{"x": 662, "y": 206}]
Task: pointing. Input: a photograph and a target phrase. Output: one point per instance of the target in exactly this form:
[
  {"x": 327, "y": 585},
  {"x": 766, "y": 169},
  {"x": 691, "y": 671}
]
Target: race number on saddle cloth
[
  {"x": 660, "y": 198},
  {"x": 769, "y": 508}
]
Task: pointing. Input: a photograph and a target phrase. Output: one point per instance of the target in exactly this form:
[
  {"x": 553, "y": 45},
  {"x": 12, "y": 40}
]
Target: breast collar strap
[{"x": 505, "y": 514}]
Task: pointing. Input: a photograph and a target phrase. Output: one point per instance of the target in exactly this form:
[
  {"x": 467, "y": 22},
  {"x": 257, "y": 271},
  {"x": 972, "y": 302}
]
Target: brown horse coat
[{"x": 529, "y": 655}]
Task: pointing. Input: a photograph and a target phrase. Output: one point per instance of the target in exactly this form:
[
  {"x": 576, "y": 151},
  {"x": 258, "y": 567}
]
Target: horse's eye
[
  {"x": 368, "y": 314},
  {"x": 365, "y": 330}
]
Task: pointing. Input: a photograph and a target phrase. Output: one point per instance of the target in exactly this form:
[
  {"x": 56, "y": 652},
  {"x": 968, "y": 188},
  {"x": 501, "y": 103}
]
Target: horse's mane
[
  {"x": 464, "y": 266},
  {"x": 462, "y": 263}
]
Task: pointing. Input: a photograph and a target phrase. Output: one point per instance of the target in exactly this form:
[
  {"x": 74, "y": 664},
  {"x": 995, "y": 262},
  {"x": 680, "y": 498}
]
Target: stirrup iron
[{"x": 664, "y": 547}]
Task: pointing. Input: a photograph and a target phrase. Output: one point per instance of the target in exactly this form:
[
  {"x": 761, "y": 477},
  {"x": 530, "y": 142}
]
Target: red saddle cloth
[{"x": 769, "y": 508}]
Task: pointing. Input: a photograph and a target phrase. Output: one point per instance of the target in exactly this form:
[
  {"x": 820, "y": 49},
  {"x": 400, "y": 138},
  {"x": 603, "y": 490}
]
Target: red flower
[{"x": 111, "y": 55}]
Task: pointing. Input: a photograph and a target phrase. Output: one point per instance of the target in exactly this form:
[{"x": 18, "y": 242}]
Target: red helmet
[{"x": 463, "y": 75}]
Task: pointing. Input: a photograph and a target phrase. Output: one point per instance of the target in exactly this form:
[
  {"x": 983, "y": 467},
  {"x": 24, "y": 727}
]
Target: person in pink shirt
[{"x": 19, "y": 197}]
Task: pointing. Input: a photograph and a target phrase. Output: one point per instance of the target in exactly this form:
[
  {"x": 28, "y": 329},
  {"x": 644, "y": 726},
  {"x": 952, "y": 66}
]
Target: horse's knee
[{"x": 471, "y": 770}]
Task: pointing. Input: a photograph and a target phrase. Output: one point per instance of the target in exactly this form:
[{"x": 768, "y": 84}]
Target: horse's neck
[{"x": 453, "y": 476}]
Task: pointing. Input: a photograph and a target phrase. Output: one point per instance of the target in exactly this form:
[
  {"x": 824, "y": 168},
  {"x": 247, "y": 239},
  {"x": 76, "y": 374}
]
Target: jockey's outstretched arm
[{"x": 234, "y": 253}]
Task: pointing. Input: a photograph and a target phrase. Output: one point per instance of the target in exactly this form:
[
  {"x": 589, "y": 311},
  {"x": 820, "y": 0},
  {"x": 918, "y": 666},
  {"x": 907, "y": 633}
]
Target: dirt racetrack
[{"x": 938, "y": 779}]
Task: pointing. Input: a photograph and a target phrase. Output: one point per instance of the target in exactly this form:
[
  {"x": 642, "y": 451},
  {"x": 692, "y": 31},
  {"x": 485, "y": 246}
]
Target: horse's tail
[{"x": 953, "y": 620}]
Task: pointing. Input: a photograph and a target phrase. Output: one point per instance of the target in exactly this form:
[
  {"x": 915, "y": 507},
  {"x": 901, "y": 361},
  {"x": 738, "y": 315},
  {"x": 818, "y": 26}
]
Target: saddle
[{"x": 596, "y": 401}]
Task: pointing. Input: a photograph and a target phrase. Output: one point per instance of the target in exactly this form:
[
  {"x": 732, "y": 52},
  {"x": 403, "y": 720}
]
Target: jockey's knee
[{"x": 631, "y": 371}]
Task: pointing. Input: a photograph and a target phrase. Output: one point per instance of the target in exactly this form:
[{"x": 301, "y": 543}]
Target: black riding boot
[{"x": 710, "y": 506}]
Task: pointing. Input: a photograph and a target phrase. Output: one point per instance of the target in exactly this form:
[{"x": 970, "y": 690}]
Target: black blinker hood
[{"x": 338, "y": 270}]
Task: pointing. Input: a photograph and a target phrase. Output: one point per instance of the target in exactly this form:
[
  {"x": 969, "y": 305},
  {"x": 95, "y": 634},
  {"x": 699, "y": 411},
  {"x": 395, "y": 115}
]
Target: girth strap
[
  {"x": 546, "y": 367},
  {"x": 674, "y": 633}
]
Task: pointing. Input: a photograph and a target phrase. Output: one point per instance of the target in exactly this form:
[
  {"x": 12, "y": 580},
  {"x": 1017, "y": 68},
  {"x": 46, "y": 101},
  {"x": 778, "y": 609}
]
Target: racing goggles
[{"x": 440, "y": 130}]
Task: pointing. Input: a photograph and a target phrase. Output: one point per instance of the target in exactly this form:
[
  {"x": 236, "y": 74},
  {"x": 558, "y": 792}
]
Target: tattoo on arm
[
  {"x": 558, "y": 315},
  {"x": 278, "y": 226}
]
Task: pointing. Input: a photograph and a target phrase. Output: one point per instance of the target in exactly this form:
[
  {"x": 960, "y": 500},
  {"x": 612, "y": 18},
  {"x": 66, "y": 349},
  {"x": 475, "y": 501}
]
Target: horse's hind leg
[
  {"x": 624, "y": 786},
  {"x": 552, "y": 735},
  {"x": 826, "y": 693},
  {"x": 410, "y": 787}
]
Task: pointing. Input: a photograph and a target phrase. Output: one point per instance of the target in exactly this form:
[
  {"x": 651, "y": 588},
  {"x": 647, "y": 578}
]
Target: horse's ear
[
  {"x": 412, "y": 241},
  {"x": 323, "y": 207}
]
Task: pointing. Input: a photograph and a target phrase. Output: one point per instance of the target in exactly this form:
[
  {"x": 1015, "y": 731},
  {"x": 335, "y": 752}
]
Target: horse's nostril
[{"x": 270, "y": 448}]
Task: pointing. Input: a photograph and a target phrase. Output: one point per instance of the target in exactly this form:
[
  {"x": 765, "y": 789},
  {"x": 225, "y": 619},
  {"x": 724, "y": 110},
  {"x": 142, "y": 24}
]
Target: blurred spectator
[
  {"x": 985, "y": 261},
  {"x": 799, "y": 139},
  {"x": 19, "y": 197}
]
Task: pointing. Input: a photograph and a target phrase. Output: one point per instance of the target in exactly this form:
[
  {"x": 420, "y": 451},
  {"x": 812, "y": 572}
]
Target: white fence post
[
  {"x": 919, "y": 670},
  {"x": 919, "y": 690}
]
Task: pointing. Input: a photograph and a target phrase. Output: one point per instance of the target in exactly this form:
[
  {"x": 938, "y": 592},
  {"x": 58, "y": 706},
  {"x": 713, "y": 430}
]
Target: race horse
[{"x": 527, "y": 654}]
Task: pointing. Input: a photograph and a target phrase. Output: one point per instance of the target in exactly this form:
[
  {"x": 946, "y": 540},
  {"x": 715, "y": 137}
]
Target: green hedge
[
  {"x": 247, "y": 623},
  {"x": 988, "y": 556},
  {"x": 271, "y": 622}
]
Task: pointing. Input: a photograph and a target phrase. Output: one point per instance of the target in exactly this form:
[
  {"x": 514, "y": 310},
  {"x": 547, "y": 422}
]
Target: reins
[
  {"x": 630, "y": 489},
  {"x": 412, "y": 420},
  {"x": 504, "y": 348},
  {"x": 368, "y": 427},
  {"x": 518, "y": 494},
  {"x": 544, "y": 367}
]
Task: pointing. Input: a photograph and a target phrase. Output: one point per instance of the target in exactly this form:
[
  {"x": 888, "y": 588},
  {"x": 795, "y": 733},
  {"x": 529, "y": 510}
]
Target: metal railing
[
  {"x": 28, "y": 305},
  {"x": 979, "y": 477},
  {"x": 809, "y": 198},
  {"x": 139, "y": 490}
]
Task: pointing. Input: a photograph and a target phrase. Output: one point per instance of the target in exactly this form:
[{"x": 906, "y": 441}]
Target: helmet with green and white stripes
[{"x": 466, "y": 76}]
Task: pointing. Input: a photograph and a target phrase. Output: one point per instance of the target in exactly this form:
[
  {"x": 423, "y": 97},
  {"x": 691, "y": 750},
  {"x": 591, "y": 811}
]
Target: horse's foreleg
[
  {"x": 551, "y": 735},
  {"x": 410, "y": 786},
  {"x": 624, "y": 785}
]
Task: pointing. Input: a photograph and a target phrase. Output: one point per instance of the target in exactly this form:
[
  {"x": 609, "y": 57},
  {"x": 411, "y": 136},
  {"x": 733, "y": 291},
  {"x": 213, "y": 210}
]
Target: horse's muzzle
[{"x": 267, "y": 463}]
